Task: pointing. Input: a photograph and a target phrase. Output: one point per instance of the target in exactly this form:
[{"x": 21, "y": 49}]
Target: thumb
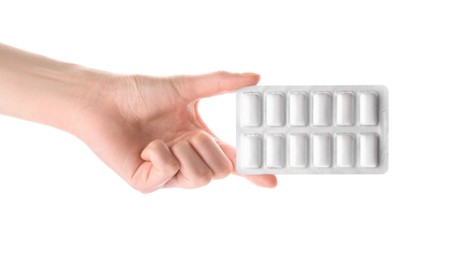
[{"x": 206, "y": 85}]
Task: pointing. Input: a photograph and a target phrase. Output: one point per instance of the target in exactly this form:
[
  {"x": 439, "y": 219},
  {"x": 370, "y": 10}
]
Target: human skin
[{"x": 147, "y": 129}]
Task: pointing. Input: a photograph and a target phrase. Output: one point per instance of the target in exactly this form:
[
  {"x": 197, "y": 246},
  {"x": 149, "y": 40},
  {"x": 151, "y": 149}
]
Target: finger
[
  {"x": 160, "y": 166},
  {"x": 193, "y": 170},
  {"x": 212, "y": 154},
  {"x": 264, "y": 180},
  {"x": 196, "y": 87}
]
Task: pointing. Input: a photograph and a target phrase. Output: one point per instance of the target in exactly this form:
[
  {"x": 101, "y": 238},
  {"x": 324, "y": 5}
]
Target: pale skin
[{"x": 147, "y": 129}]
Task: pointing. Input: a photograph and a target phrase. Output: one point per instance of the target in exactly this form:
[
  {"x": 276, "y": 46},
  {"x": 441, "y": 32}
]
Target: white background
[{"x": 58, "y": 201}]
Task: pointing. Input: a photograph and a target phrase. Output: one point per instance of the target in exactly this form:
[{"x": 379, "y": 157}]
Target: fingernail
[{"x": 249, "y": 74}]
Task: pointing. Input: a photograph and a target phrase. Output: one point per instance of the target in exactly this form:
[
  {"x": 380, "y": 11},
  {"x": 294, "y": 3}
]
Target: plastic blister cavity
[{"x": 312, "y": 129}]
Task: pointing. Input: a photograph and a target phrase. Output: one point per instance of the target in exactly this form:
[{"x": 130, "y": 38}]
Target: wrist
[
  {"x": 84, "y": 100},
  {"x": 59, "y": 94},
  {"x": 36, "y": 88}
]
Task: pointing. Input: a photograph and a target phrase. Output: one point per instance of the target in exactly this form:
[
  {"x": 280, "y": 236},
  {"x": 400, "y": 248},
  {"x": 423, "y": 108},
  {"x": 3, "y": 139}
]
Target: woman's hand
[{"x": 149, "y": 131}]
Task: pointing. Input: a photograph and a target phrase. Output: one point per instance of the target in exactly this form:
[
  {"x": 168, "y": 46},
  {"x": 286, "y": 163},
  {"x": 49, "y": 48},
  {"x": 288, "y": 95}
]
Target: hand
[
  {"x": 146, "y": 129},
  {"x": 149, "y": 131}
]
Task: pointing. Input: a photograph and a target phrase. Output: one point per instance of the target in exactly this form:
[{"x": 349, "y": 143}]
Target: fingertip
[
  {"x": 253, "y": 75},
  {"x": 264, "y": 180},
  {"x": 223, "y": 73},
  {"x": 152, "y": 146},
  {"x": 272, "y": 182},
  {"x": 237, "y": 80}
]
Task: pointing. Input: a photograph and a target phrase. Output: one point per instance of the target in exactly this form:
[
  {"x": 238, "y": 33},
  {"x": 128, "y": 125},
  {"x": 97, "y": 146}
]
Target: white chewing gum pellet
[
  {"x": 322, "y": 109},
  {"x": 253, "y": 147},
  {"x": 345, "y": 104},
  {"x": 345, "y": 150},
  {"x": 368, "y": 108},
  {"x": 368, "y": 150},
  {"x": 275, "y": 151},
  {"x": 298, "y": 150},
  {"x": 275, "y": 109},
  {"x": 251, "y": 104},
  {"x": 298, "y": 109},
  {"x": 321, "y": 150}
]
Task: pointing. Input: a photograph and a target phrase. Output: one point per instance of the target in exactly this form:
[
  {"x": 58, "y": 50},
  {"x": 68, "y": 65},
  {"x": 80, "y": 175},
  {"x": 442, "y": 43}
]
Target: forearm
[{"x": 40, "y": 89}]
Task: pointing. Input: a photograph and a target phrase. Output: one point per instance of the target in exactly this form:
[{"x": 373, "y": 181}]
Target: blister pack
[{"x": 312, "y": 129}]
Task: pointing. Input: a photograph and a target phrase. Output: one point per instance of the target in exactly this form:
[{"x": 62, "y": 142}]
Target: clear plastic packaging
[{"x": 312, "y": 129}]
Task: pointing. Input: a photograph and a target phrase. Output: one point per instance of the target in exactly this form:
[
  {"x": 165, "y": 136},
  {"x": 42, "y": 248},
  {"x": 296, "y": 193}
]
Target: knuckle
[
  {"x": 142, "y": 188},
  {"x": 179, "y": 82},
  {"x": 179, "y": 146},
  {"x": 200, "y": 138},
  {"x": 202, "y": 179},
  {"x": 170, "y": 166},
  {"x": 153, "y": 146},
  {"x": 156, "y": 143},
  {"x": 224, "y": 168}
]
